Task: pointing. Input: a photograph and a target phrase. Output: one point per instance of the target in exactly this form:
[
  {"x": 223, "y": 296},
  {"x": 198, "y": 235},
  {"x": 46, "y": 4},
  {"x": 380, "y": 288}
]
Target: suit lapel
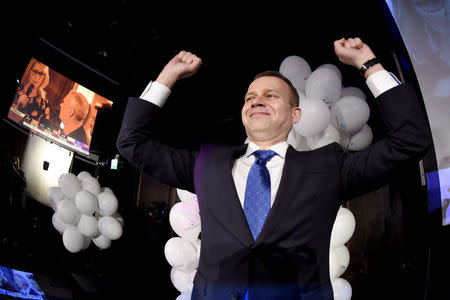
[{"x": 226, "y": 207}]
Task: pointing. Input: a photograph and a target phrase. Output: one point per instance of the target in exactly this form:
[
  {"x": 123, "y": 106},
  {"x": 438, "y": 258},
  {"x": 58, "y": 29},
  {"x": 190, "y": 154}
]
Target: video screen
[
  {"x": 424, "y": 28},
  {"x": 19, "y": 284},
  {"x": 55, "y": 107}
]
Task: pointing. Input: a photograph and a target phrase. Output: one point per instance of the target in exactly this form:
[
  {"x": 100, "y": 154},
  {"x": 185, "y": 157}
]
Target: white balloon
[
  {"x": 73, "y": 239},
  {"x": 110, "y": 227},
  {"x": 197, "y": 244},
  {"x": 301, "y": 96},
  {"x": 181, "y": 254},
  {"x": 332, "y": 68},
  {"x": 67, "y": 212},
  {"x": 86, "y": 242},
  {"x": 88, "y": 226},
  {"x": 195, "y": 205},
  {"x": 92, "y": 185},
  {"x": 59, "y": 224},
  {"x": 350, "y": 113},
  {"x": 188, "y": 197},
  {"x": 102, "y": 242},
  {"x": 119, "y": 218},
  {"x": 328, "y": 136},
  {"x": 353, "y": 91},
  {"x": 106, "y": 190},
  {"x": 86, "y": 202},
  {"x": 185, "y": 296},
  {"x": 83, "y": 175},
  {"x": 60, "y": 179},
  {"x": 107, "y": 203},
  {"x": 185, "y": 221},
  {"x": 342, "y": 289},
  {"x": 54, "y": 196},
  {"x": 343, "y": 228},
  {"x": 297, "y": 141},
  {"x": 181, "y": 281},
  {"x": 314, "y": 119},
  {"x": 361, "y": 139},
  {"x": 324, "y": 84},
  {"x": 297, "y": 70},
  {"x": 344, "y": 259},
  {"x": 70, "y": 185},
  {"x": 334, "y": 263}
]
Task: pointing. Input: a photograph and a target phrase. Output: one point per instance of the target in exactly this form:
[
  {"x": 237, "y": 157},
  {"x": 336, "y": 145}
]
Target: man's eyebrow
[
  {"x": 250, "y": 93},
  {"x": 264, "y": 91}
]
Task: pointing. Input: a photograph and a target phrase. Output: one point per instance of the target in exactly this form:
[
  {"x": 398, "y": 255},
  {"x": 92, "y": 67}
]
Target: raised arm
[
  {"x": 136, "y": 141},
  {"x": 407, "y": 133}
]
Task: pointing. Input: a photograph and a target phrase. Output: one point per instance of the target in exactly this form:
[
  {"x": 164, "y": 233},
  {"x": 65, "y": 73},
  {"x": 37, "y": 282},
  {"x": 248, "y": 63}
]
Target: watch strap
[{"x": 367, "y": 65}]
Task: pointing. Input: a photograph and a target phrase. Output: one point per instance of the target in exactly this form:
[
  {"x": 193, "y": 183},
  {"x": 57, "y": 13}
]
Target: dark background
[{"x": 114, "y": 48}]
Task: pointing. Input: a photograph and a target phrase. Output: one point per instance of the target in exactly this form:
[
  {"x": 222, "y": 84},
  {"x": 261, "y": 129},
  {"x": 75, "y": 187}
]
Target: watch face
[{"x": 363, "y": 70}]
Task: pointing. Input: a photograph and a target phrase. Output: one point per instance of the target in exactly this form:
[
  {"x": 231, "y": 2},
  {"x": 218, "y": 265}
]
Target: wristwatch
[{"x": 367, "y": 65}]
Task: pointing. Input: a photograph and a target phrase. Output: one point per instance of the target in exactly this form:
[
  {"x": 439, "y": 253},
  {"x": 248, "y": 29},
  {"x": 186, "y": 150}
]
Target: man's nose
[{"x": 258, "y": 101}]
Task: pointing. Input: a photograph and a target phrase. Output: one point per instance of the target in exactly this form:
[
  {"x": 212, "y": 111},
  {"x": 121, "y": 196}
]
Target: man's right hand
[{"x": 184, "y": 64}]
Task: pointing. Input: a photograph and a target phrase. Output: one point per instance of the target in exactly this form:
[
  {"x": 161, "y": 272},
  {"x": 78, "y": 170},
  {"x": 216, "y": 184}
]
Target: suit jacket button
[{"x": 235, "y": 296}]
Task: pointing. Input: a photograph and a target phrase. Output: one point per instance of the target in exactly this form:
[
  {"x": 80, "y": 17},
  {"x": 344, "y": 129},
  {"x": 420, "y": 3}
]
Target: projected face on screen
[{"x": 56, "y": 107}]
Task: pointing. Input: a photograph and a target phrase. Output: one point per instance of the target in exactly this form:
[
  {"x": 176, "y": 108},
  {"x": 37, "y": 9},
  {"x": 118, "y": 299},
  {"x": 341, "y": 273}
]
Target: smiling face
[
  {"x": 268, "y": 114},
  {"x": 37, "y": 74}
]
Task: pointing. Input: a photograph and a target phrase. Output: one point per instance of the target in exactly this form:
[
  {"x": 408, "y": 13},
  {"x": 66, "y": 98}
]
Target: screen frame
[{"x": 78, "y": 72}]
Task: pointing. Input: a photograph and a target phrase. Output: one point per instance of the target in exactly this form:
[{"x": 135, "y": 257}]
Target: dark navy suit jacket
[{"x": 289, "y": 259}]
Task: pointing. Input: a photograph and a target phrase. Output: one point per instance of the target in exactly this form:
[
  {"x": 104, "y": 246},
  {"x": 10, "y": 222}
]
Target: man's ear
[
  {"x": 71, "y": 111},
  {"x": 296, "y": 113}
]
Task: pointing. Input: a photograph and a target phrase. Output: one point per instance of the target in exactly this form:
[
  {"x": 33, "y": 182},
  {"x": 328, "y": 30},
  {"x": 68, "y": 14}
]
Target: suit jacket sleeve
[
  {"x": 135, "y": 143},
  {"x": 407, "y": 138}
]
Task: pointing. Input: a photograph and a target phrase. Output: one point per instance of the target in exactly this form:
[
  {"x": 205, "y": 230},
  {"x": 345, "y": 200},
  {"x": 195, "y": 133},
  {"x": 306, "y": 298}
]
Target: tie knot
[{"x": 263, "y": 156}]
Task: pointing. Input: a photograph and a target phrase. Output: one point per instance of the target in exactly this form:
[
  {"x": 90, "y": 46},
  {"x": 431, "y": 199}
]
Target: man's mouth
[{"x": 258, "y": 113}]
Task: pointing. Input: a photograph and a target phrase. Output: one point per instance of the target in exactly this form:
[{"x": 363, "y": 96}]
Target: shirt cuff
[
  {"x": 156, "y": 93},
  {"x": 381, "y": 81}
]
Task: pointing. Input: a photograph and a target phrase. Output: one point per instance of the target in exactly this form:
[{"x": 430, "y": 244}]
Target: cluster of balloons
[
  {"x": 343, "y": 229},
  {"x": 84, "y": 212},
  {"x": 183, "y": 251},
  {"x": 330, "y": 112}
]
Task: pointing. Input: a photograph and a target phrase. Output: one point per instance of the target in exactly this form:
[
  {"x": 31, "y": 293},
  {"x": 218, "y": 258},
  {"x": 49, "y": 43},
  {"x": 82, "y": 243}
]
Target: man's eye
[
  {"x": 249, "y": 98},
  {"x": 270, "y": 96}
]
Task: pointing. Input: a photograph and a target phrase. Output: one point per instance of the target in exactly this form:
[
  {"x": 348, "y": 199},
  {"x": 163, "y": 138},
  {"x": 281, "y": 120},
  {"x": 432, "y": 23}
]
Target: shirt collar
[{"x": 279, "y": 149}]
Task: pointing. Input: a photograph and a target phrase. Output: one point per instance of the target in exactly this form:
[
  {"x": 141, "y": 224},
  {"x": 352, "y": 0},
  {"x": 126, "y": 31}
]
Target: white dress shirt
[{"x": 157, "y": 93}]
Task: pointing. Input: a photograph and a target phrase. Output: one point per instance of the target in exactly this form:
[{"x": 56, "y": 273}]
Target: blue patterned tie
[{"x": 257, "y": 192}]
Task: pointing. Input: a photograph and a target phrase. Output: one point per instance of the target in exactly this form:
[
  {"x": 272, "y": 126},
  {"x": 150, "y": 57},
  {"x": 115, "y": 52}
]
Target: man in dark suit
[
  {"x": 73, "y": 111},
  {"x": 286, "y": 255}
]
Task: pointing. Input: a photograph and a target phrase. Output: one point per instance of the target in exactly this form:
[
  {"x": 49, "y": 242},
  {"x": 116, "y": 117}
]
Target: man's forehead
[{"x": 268, "y": 83}]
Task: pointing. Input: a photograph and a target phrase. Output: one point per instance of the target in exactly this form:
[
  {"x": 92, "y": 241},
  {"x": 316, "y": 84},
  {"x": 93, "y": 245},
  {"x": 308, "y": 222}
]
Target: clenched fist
[
  {"x": 184, "y": 64},
  {"x": 353, "y": 52}
]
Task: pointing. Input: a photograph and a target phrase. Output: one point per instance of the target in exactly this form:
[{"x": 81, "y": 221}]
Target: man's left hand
[{"x": 353, "y": 52}]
